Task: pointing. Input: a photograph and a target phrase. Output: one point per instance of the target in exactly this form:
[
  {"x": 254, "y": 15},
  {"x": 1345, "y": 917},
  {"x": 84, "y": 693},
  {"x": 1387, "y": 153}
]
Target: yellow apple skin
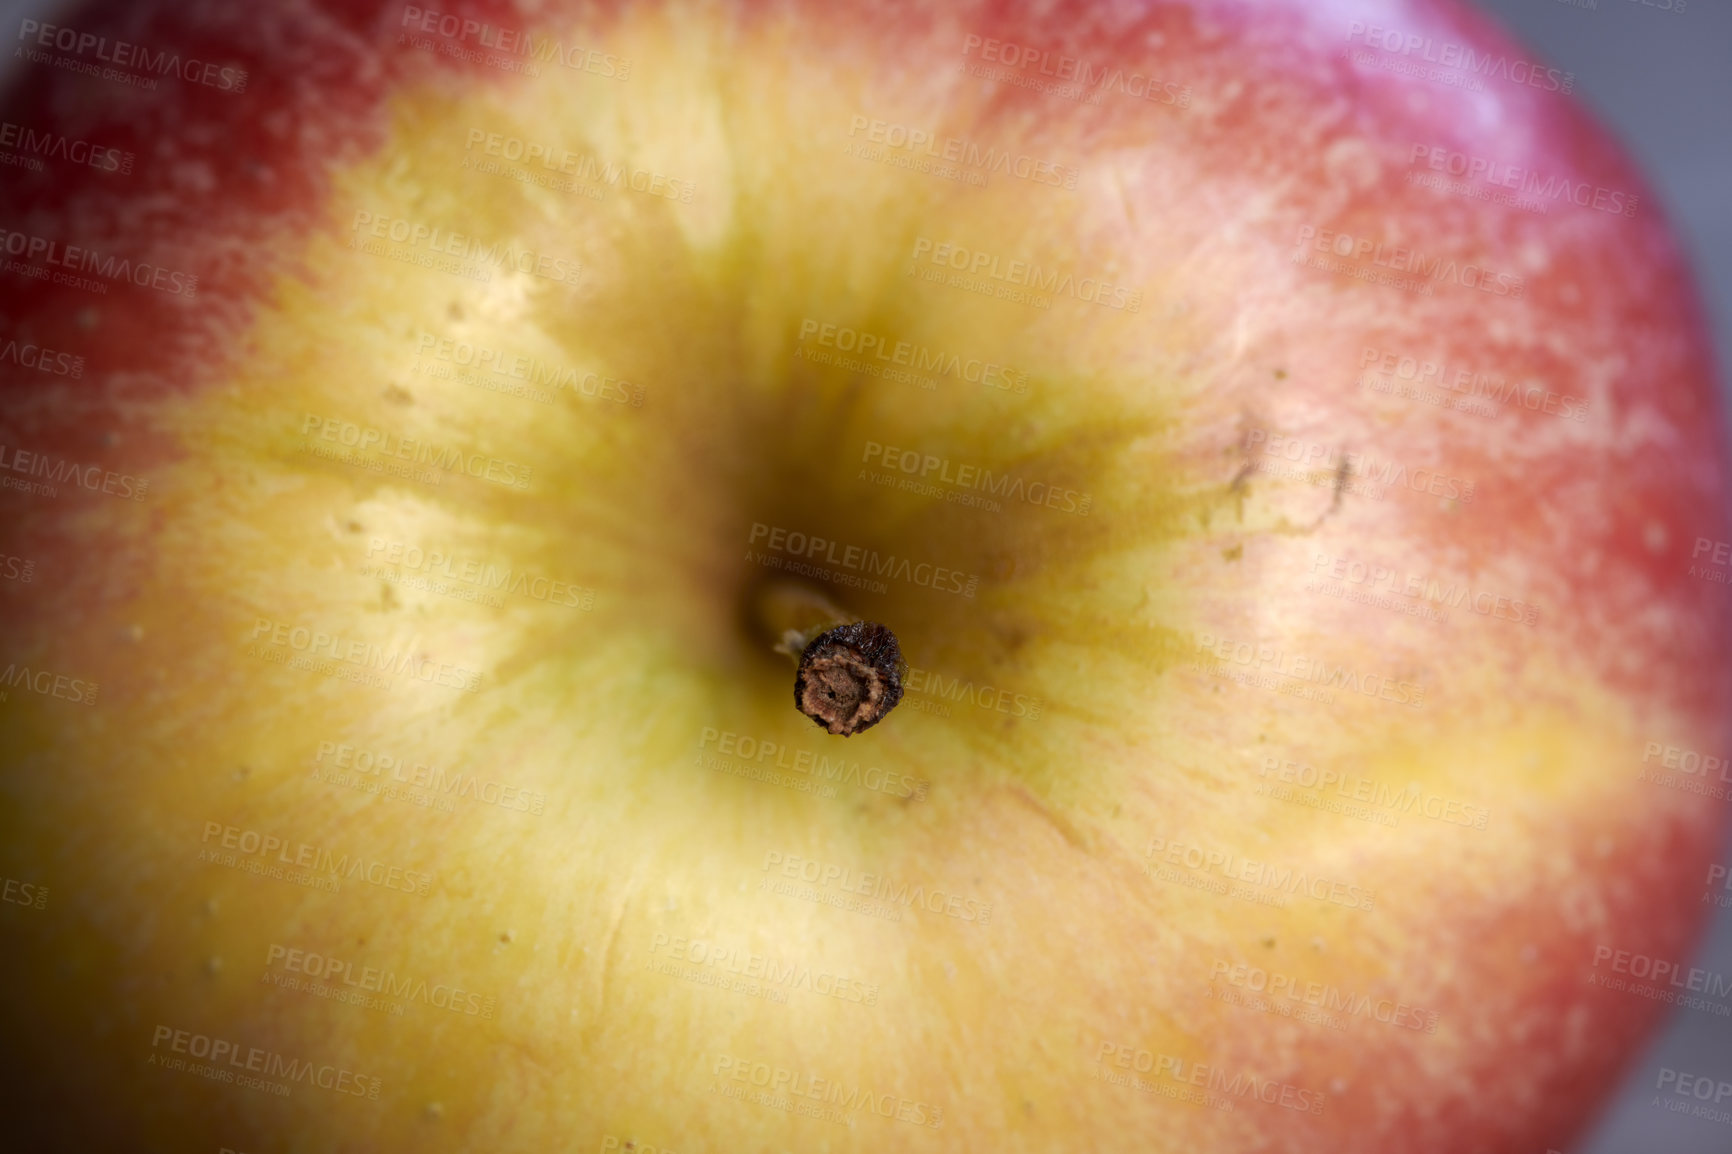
[{"x": 526, "y": 954}]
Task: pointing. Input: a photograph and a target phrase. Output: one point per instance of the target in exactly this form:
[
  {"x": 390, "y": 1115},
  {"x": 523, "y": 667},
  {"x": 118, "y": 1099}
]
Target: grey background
[{"x": 1662, "y": 80}]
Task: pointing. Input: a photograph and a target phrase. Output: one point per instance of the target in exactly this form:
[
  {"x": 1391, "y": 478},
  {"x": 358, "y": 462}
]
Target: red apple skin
[{"x": 1602, "y": 516}]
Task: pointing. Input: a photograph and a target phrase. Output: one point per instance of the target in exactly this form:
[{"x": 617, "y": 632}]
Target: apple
[{"x": 1281, "y": 437}]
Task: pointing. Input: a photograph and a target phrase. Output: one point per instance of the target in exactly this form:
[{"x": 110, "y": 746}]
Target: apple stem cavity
[{"x": 850, "y": 671}]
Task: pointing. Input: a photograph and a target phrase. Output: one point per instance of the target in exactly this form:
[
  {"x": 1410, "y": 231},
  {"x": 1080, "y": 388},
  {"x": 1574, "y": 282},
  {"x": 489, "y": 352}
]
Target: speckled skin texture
[{"x": 1176, "y": 662}]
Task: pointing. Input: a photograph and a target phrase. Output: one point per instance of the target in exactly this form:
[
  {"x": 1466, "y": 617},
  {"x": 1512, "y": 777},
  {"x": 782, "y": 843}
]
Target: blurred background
[{"x": 1659, "y": 74}]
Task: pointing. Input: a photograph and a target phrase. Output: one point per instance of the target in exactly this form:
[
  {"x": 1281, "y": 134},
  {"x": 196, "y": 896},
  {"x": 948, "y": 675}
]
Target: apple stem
[
  {"x": 850, "y": 671},
  {"x": 793, "y": 613}
]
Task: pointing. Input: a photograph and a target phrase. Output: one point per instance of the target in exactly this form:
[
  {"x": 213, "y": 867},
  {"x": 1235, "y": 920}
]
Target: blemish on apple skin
[
  {"x": 434, "y": 1111},
  {"x": 1237, "y": 485},
  {"x": 1233, "y": 553}
]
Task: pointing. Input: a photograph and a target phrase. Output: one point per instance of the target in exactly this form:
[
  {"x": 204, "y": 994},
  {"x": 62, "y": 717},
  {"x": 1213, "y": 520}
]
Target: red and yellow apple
[{"x": 1280, "y": 435}]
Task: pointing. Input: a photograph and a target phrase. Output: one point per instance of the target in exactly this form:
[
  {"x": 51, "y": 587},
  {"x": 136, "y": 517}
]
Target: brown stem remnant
[
  {"x": 850, "y": 677},
  {"x": 851, "y": 671}
]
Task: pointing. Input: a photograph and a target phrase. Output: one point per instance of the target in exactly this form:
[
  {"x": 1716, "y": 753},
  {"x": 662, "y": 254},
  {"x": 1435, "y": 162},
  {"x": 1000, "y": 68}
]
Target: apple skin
[{"x": 1163, "y": 415}]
